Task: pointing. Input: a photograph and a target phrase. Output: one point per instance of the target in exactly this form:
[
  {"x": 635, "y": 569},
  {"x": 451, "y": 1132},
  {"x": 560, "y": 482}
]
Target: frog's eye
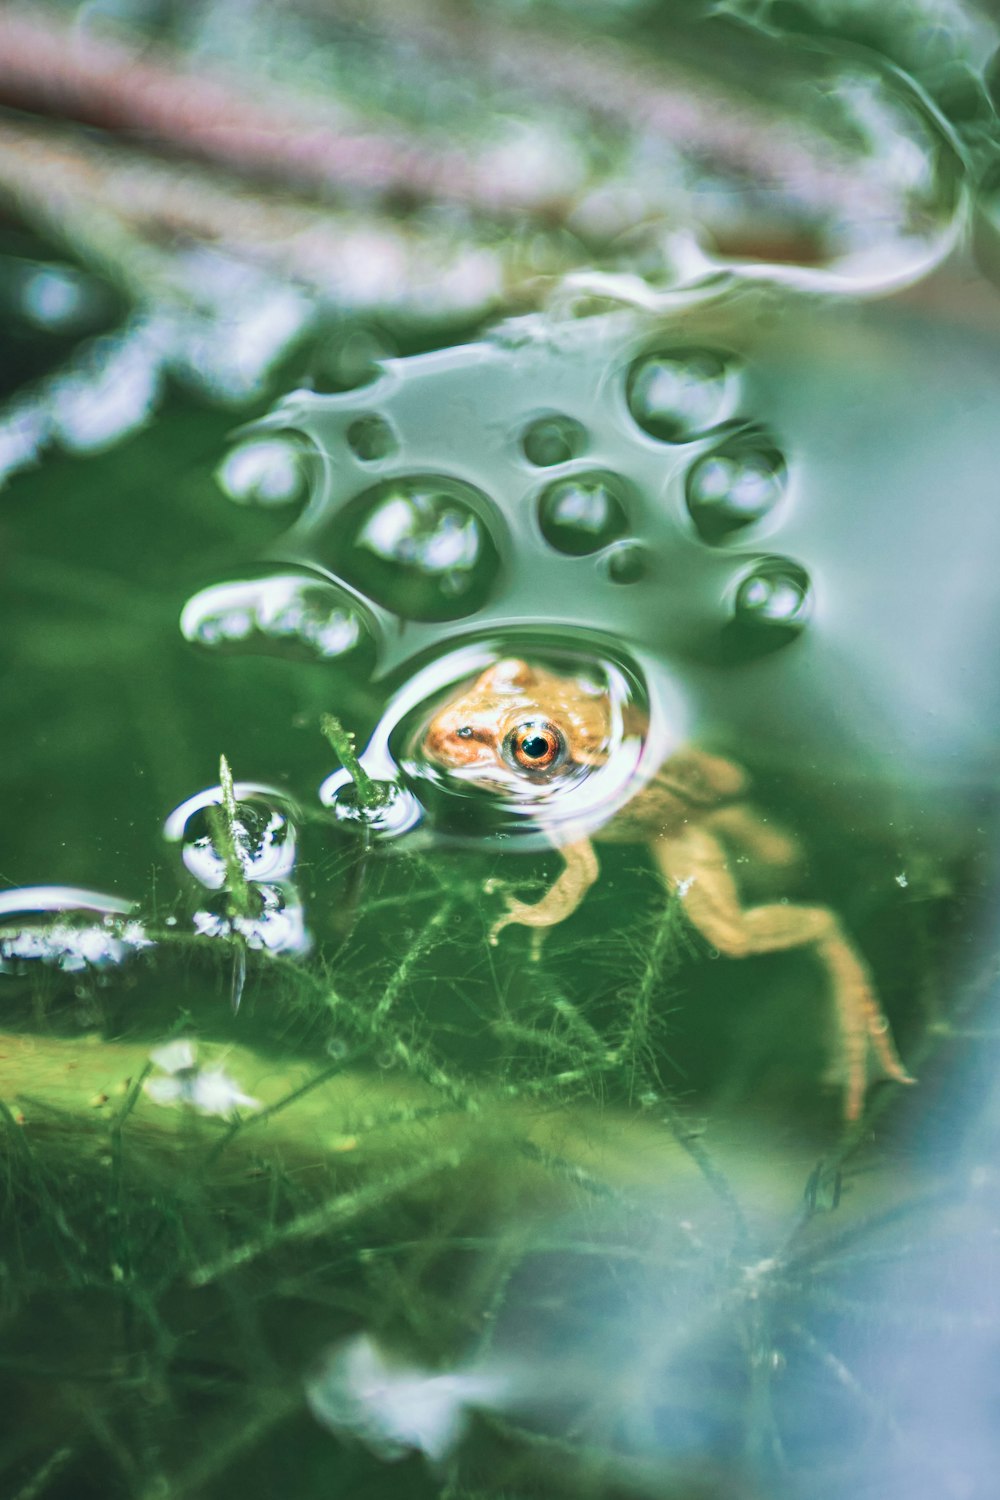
[{"x": 535, "y": 745}]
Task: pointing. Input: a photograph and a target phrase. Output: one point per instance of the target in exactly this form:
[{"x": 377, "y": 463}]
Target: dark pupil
[{"x": 535, "y": 747}]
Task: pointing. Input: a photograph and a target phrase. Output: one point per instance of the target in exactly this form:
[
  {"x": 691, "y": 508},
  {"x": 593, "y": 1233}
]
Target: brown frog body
[{"x": 519, "y": 726}]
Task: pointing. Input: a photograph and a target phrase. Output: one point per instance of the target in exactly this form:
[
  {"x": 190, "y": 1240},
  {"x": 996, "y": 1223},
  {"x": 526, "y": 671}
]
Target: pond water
[{"x": 395, "y": 1097}]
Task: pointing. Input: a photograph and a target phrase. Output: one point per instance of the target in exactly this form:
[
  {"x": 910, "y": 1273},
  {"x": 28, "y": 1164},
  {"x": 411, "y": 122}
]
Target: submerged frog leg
[
  {"x": 560, "y": 900},
  {"x": 694, "y": 863},
  {"x": 766, "y": 843}
]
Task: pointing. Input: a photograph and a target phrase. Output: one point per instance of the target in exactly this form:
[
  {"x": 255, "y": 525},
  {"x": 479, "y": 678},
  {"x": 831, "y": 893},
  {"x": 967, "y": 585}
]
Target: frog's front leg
[
  {"x": 694, "y": 864},
  {"x": 560, "y": 900}
]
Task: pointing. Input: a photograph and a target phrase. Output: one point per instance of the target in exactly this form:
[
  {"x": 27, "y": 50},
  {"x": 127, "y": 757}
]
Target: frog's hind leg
[
  {"x": 560, "y": 900},
  {"x": 694, "y": 864},
  {"x": 748, "y": 831}
]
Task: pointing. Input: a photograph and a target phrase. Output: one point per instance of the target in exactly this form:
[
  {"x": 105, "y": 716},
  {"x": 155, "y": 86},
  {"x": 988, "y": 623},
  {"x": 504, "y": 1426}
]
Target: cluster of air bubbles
[
  {"x": 265, "y": 471},
  {"x": 734, "y": 485},
  {"x": 583, "y": 513},
  {"x": 263, "y": 910},
  {"x": 419, "y": 546},
  {"x": 293, "y": 615},
  {"x": 71, "y": 930},
  {"x": 679, "y": 396}
]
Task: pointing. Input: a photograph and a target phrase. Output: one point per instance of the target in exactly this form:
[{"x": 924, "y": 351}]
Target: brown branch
[
  {"x": 126, "y": 207},
  {"x": 49, "y": 67}
]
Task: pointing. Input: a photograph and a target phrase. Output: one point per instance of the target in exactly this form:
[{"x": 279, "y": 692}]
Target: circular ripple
[
  {"x": 679, "y": 395},
  {"x": 735, "y": 485},
  {"x": 583, "y": 513},
  {"x": 552, "y": 440},
  {"x": 419, "y": 546}
]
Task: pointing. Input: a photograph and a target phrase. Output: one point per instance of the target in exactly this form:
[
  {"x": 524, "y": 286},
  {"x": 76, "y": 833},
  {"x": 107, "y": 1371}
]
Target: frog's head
[{"x": 520, "y": 723}]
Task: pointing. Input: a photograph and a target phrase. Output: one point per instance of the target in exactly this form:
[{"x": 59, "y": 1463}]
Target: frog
[{"x": 520, "y": 726}]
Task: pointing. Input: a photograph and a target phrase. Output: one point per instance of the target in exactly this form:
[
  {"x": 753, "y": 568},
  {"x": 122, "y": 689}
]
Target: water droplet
[
  {"x": 370, "y": 438},
  {"x": 419, "y": 546},
  {"x": 679, "y": 396},
  {"x": 627, "y": 563},
  {"x": 553, "y": 440},
  {"x": 264, "y": 471},
  {"x": 776, "y": 594},
  {"x": 735, "y": 485},
  {"x": 293, "y": 615},
  {"x": 583, "y": 513}
]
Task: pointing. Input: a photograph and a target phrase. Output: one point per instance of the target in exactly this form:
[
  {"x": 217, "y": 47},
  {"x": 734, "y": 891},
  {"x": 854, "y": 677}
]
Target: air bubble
[
  {"x": 678, "y": 396},
  {"x": 371, "y": 438},
  {"x": 775, "y": 595},
  {"x": 264, "y": 472},
  {"x": 419, "y": 547},
  {"x": 583, "y": 514},
  {"x": 264, "y": 837},
  {"x": 303, "y": 618},
  {"x": 627, "y": 563},
  {"x": 734, "y": 486},
  {"x": 553, "y": 440}
]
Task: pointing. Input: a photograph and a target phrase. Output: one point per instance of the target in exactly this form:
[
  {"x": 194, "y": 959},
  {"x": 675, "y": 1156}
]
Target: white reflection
[
  {"x": 395, "y": 1409},
  {"x": 210, "y": 1091}
]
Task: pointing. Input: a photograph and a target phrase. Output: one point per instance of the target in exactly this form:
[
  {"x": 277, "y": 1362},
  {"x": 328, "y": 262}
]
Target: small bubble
[
  {"x": 418, "y": 546},
  {"x": 627, "y": 563},
  {"x": 678, "y": 396},
  {"x": 734, "y": 486},
  {"x": 371, "y": 438},
  {"x": 582, "y": 514},
  {"x": 775, "y": 594},
  {"x": 264, "y": 472},
  {"x": 553, "y": 440}
]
